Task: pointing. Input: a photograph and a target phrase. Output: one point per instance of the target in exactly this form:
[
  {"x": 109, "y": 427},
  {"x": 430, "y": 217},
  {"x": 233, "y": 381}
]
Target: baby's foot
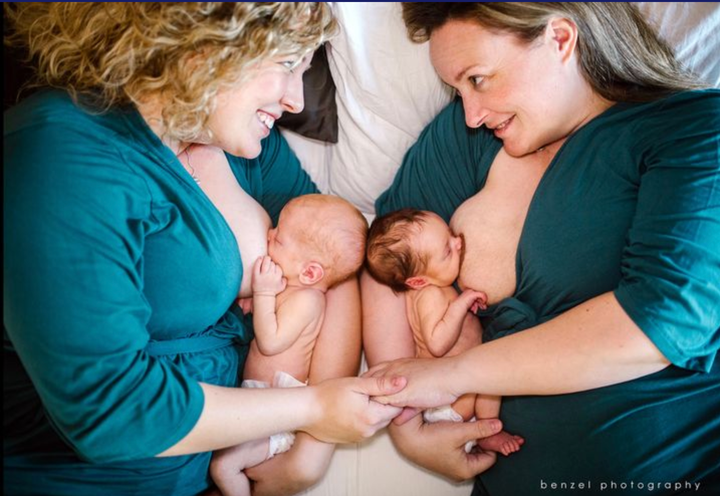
[{"x": 502, "y": 442}]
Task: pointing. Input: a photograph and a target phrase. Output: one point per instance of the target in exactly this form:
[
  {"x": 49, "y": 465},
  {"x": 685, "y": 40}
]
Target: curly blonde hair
[{"x": 113, "y": 54}]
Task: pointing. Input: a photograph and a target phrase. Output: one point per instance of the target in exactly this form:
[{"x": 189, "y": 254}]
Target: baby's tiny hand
[
  {"x": 267, "y": 277},
  {"x": 473, "y": 300}
]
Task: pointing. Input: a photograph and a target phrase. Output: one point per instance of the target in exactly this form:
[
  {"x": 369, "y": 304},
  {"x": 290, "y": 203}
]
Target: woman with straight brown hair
[{"x": 580, "y": 163}]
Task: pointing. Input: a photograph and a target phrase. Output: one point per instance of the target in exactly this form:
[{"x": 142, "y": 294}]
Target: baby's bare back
[{"x": 295, "y": 360}]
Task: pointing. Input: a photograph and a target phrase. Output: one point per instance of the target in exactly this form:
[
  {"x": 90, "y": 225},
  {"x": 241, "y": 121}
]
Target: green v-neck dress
[
  {"x": 119, "y": 284},
  {"x": 630, "y": 204}
]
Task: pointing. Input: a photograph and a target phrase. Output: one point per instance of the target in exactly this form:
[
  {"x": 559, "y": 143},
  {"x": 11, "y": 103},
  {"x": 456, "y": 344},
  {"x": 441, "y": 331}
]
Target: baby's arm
[
  {"x": 441, "y": 320},
  {"x": 277, "y": 329}
]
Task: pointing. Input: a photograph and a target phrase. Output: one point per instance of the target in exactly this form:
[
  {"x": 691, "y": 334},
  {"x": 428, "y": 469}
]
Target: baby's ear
[
  {"x": 416, "y": 282},
  {"x": 311, "y": 273}
]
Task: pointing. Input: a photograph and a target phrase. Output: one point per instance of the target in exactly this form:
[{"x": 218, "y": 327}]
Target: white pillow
[
  {"x": 387, "y": 92},
  {"x": 693, "y": 30}
]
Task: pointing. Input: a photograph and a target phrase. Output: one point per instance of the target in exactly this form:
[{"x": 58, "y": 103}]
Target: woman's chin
[
  {"x": 247, "y": 151},
  {"x": 517, "y": 150}
]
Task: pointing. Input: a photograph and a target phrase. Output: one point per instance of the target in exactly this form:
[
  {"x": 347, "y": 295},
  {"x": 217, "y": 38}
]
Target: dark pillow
[{"x": 319, "y": 119}]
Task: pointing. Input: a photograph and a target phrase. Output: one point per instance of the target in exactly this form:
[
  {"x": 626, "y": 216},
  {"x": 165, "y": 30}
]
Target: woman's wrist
[
  {"x": 310, "y": 409},
  {"x": 459, "y": 374}
]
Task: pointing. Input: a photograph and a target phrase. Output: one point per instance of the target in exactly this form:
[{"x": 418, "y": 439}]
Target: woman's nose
[
  {"x": 293, "y": 100},
  {"x": 475, "y": 112}
]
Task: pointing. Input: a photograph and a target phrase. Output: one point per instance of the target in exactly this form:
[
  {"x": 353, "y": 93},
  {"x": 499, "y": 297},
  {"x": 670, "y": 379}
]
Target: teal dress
[
  {"x": 630, "y": 204},
  {"x": 119, "y": 282}
]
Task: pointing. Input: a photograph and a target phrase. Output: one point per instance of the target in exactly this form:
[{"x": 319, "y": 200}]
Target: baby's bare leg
[
  {"x": 465, "y": 406},
  {"x": 487, "y": 407},
  {"x": 227, "y": 466}
]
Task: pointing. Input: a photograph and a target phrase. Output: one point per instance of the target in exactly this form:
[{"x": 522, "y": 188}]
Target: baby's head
[
  {"x": 319, "y": 240},
  {"x": 409, "y": 249}
]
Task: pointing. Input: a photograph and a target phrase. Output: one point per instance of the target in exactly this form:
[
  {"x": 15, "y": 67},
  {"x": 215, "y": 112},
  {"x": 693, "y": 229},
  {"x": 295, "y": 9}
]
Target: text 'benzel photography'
[{"x": 617, "y": 486}]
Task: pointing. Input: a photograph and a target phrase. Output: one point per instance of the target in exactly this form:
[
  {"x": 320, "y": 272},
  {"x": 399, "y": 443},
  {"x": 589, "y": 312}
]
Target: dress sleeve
[
  {"x": 282, "y": 176},
  {"x": 670, "y": 283},
  {"x": 447, "y": 165},
  {"x": 75, "y": 223}
]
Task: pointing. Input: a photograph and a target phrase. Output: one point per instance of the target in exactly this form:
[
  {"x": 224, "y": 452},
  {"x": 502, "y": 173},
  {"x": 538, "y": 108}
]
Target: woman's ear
[
  {"x": 416, "y": 282},
  {"x": 562, "y": 34},
  {"x": 311, "y": 273}
]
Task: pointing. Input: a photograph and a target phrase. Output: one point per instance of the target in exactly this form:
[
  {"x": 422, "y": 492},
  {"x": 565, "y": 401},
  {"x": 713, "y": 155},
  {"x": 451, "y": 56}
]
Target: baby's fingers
[
  {"x": 257, "y": 266},
  {"x": 267, "y": 265}
]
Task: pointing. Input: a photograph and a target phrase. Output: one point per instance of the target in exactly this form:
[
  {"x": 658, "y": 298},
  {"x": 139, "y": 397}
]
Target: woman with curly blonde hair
[{"x": 136, "y": 198}]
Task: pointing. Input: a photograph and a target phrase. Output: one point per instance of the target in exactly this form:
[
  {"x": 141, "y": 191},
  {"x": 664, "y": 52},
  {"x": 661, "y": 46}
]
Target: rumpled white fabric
[{"x": 446, "y": 414}]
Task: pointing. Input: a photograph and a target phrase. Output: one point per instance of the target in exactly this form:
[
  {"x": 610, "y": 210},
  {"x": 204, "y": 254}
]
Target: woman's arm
[
  {"x": 336, "y": 354},
  {"x": 438, "y": 447},
  {"x": 337, "y": 411},
  {"x": 592, "y": 345},
  {"x": 333, "y": 411}
]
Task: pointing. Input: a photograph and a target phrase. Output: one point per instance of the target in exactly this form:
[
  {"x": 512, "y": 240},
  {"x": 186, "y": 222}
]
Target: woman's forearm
[
  {"x": 592, "y": 345},
  {"x": 337, "y": 351},
  {"x": 386, "y": 332},
  {"x": 232, "y": 416}
]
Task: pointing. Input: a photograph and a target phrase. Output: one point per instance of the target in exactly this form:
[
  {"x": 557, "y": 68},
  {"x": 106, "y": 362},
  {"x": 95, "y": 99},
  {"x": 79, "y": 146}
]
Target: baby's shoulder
[
  {"x": 434, "y": 293},
  {"x": 308, "y": 298}
]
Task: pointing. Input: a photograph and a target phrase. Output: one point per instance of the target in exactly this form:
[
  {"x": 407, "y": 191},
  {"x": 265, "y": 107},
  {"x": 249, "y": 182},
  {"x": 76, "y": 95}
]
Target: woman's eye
[
  {"x": 289, "y": 65},
  {"x": 476, "y": 80}
]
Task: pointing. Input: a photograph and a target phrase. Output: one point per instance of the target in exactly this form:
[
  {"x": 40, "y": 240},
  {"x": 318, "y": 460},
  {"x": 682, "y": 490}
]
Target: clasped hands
[
  {"x": 439, "y": 447},
  {"x": 427, "y": 385}
]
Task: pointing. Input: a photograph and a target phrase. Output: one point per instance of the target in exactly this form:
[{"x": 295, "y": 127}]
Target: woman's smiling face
[
  {"x": 245, "y": 113},
  {"x": 524, "y": 92}
]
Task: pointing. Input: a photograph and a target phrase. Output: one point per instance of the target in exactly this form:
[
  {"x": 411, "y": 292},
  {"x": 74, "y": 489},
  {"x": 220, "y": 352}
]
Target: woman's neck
[{"x": 151, "y": 111}]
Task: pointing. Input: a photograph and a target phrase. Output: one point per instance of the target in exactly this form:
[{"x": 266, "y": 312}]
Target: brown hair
[
  {"x": 620, "y": 55},
  {"x": 335, "y": 237},
  {"x": 114, "y": 53},
  {"x": 390, "y": 259}
]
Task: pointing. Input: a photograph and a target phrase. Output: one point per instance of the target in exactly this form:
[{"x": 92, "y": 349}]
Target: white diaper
[
  {"x": 441, "y": 414},
  {"x": 446, "y": 414},
  {"x": 278, "y": 443}
]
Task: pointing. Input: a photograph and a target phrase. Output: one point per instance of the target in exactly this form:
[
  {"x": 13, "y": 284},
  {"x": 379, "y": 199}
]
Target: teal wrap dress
[
  {"x": 120, "y": 278},
  {"x": 630, "y": 204}
]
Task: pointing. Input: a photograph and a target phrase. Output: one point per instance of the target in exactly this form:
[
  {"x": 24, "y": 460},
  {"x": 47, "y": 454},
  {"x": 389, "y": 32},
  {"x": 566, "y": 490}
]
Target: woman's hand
[
  {"x": 440, "y": 447},
  {"x": 293, "y": 471},
  {"x": 345, "y": 411},
  {"x": 429, "y": 382}
]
